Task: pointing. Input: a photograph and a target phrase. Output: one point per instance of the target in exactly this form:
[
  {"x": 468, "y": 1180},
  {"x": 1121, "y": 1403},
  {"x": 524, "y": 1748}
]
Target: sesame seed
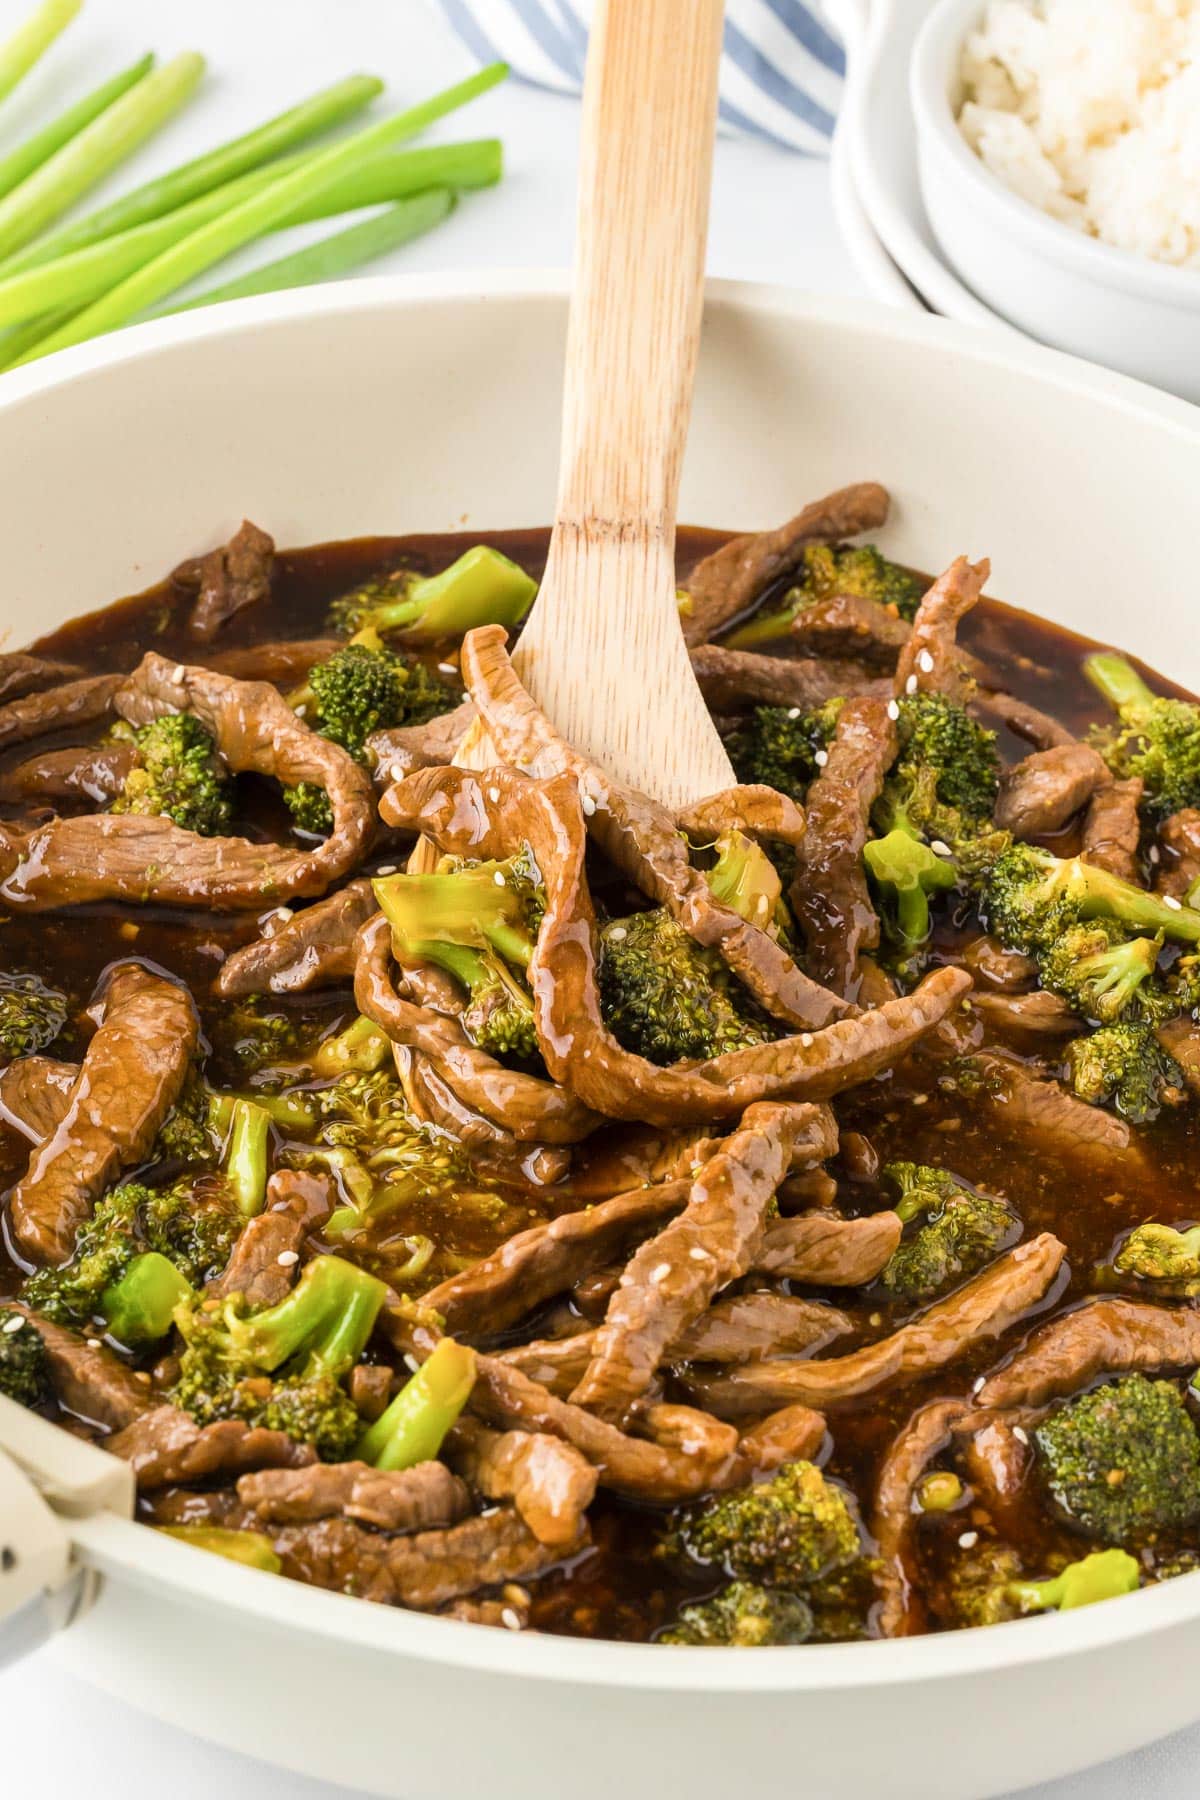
[
  {"x": 821, "y": 758},
  {"x": 1020, "y": 1433},
  {"x": 494, "y": 795},
  {"x": 762, "y": 904},
  {"x": 498, "y": 878},
  {"x": 893, "y": 709},
  {"x": 925, "y": 662},
  {"x": 617, "y": 933},
  {"x": 875, "y": 1321},
  {"x": 411, "y": 1364},
  {"x": 793, "y": 712},
  {"x": 697, "y": 1253},
  {"x": 179, "y": 672},
  {"x": 977, "y": 1385},
  {"x": 510, "y": 1619},
  {"x": 910, "y": 686},
  {"x": 588, "y": 804},
  {"x": 1154, "y": 853},
  {"x": 938, "y": 848},
  {"x": 386, "y": 869},
  {"x": 659, "y": 1275},
  {"x": 93, "y": 1343},
  {"x": 300, "y": 710},
  {"x": 286, "y": 1258},
  {"x": 806, "y": 1039},
  {"x": 967, "y": 1540},
  {"x": 142, "y": 1375},
  {"x": 919, "y": 1099},
  {"x": 13, "y": 1324},
  {"x": 446, "y": 669},
  {"x": 1174, "y": 904}
]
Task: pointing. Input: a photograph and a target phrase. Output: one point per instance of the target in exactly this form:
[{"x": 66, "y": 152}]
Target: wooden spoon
[{"x": 602, "y": 652}]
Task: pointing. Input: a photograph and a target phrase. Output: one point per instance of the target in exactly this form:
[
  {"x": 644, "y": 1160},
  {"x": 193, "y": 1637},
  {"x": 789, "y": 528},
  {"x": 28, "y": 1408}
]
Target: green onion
[
  {"x": 31, "y": 40},
  {"x": 96, "y": 150},
  {"x": 174, "y": 189},
  {"x": 253, "y": 216},
  {"x": 71, "y": 281},
  {"x": 333, "y": 256},
  {"x": 41, "y": 146}
]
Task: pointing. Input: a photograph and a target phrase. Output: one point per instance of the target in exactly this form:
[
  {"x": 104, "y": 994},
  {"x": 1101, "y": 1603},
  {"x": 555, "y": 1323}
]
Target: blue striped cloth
[{"x": 781, "y": 71}]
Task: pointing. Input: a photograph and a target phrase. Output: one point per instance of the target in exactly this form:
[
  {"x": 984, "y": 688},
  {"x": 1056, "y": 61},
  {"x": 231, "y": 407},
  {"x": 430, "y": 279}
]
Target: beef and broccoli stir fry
[{"x": 448, "y": 1178}]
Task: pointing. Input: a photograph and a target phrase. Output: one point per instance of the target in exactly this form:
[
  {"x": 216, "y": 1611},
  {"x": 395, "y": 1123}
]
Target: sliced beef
[
  {"x": 370, "y": 1386},
  {"x": 731, "y": 679},
  {"x": 634, "y": 1156},
  {"x": 90, "y": 1380},
  {"x": 265, "y": 1259},
  {"x": 97, "y": 773},
  {"x": 22, "y": 673},
  {"x": 550, "y": 1483},
  {"x": 1180, "y": 838},
  {"x": 926, "y": 1435},
  {"x": 226, "y": 580},
  {"x": 984, "y": 1309},
  {"x": 1112, "y": 829},
  {"x": 35, "y": 1093},
  {"x": 1179, "y": 1037},
  {"x": 106, "y": 856},
  {"x": 1102, "y": 1337},
  {"x": 827, "y": 1251},
  {"x": 1040, "y": 794},
  {"x": 285, "y": 665},
  {"x": 671, "y": 1279},
  {"x": 496, "y": 1153},
  {"x": 793, "y": 1434},
  {"x": 1006, "y": 971},
  {"x": 753, "y": 808},
  {"x": 509, "y": 1613},
  {"x": 130, "y": 1078},
  {"x": 399, "y": 750},
  {"x": 417, "y": 1499},
  {"x": 1026, "y": 1017},
  {"x": 930, "y": 661},
  {"x": 732, "y": 578},
  {"x": 846, "y": 625},
  {"x": 1025, "y": 721},
  {"x": 829, "y": 894},
  {"x": 1031, "y": 1111},
  {"x": 75, "y": 703},
  {"x": 422, "y": 1571},
  {"x": 165, "y": 1446},
  {"x": 314, "y": 948}
]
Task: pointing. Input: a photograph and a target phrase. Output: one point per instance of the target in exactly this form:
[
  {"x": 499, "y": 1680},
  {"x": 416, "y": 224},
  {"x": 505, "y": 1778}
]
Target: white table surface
[{"x": 771, "y": 221}]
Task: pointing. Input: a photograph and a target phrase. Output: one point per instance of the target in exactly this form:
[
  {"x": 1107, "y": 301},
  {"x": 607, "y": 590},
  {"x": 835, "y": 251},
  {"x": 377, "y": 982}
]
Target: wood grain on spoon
[{"x": 602, "y": 651}]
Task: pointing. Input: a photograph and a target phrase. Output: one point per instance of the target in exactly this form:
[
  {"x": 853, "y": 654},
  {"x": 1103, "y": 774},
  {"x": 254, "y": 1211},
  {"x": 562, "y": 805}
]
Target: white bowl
[
  {"x": 1124, "y": 311},
  {"x": 406, "y": 405}
]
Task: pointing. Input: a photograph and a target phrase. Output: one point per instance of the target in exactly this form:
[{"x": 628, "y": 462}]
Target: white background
[{"x": 771, "y": 221}]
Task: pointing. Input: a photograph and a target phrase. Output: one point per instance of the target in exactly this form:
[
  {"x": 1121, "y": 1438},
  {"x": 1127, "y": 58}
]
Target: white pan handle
[{"x": 48, "y": 1477}]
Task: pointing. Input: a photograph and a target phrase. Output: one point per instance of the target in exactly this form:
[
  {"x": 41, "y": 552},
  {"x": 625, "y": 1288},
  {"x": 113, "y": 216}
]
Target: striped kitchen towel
[{"x": 781, "y": 71}]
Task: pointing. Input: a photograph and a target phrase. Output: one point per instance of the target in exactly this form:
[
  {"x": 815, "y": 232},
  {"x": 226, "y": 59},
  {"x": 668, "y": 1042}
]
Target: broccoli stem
[
  {"x": 360, "y": 1049},
  {"x": 1118, "y": 681},
  {"x": 1101, "y": 1576},
  {"x": 139, "y": 1308},
  {"x": 481, "y": 587},
  {"x": 329, "y": 1315},
  {"x": 414, "y": 1426},
  {"x": 745, "y": 879},
  {"x": 252, "y": 1548},
  {"x": 245, "y": 1163}
]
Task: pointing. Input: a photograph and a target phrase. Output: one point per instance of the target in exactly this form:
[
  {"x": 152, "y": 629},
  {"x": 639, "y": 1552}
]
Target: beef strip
[
  {"x": 314, "y": 948},
  {"x": 90, "y": 1380},
  {"x": 396, "y": 752},
  {"x": 1008, "y": 971},
  {"x": 226, "y": 580},
  {"x": 632, "y": 1156},
  {"x": 846, "y": 625},
  {"x": 550, "y": 1483},
  {"x": 1112, "y": 829},
  {"x": 510, "y": 1612},
  {"x": 1180, "y": 838},
  {"x": 370, "y": 1387},
  {"x": 97, "y": 773},
  {"x": 127, "y": 856},
  {"x": 1039, "y": 794},
  {"x": 165, "y": 1446},
  {"x": 732, "y": 679},
  {"x": 468, "y": 814},
  {"x": 264, "y": 1262},
  {"x": 984, "y": 1308},
  {"x": 829, "y": 1252},
  {"x": 930, "y": 661},
  {"x": 1035, "y": 1016},
  {"x": 1030, "y": 1111},
  {"x": 926, "y": 1435},
  {"x": 1025, "y": 721},
  {"x": 495, "y": 1152},
  {"x": 793, "y": 1434},
  {"x": 285, "y": 665},
  {"x": 421, "y": 1571},
  {"x": 732, "y": 578},
  {"x": 1101, "y": 1337},
  {"x": 22, "y": 673},
  {"x": 130, "y": 1078},
  {"x": 753, "y": 808},
  {"x": 417, "y": 1499},
  {"x": 1180, "y": 1038},
  {"x": 35, "y": 1093},
  {"x": 640, "y": 837},
  {"x": 829, "y": 894},
  {"x": 75, "y": 703},
  {"x": 672, "y": 1278}
]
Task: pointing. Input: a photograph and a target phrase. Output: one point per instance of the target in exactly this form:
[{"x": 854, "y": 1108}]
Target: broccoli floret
[
  {"x": 479, "y": 922},
  {"x": 978, "y": 1586},
  {"x": 1157, "y": 739},
  {"x": 665, "y": 998},
  {"x": 31, "y": 1015},
  {"x": 361, "y": 688},
  {"x": 1122, "y": 1463},
  {"x": 281, "y": 1367},
  {"x": 936, "y": 733},
  {"x": 787, "y": 1532},
  {"x": 191, "y": 1225},
  {"x": 1107, "y": 975},
  {"x": 481, "y": 588},
  {"x": 1127, "y": 1065},
  {"x": 179, "y": 775},
  {"x": 828, "y": 570},
  {"x": 1155, "y": 1252},
  {"x": 904, "y": 873},
  {"x": 1102, "y": 1576},
  {"x": 1032, "y": 897},
  {"x": 381, "y": 1157},
  {"x": 961, "y": 1230},
  {"x": 742, "y": 1614},
  {"x": 254, "y": 1036},
  {"x": 779, "y": 745},
  {"x": 24, "y": 1366}
]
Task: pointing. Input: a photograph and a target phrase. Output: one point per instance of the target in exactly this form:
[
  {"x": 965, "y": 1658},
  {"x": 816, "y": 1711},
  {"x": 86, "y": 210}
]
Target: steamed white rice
[{"x": 1090, "y": 110}]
